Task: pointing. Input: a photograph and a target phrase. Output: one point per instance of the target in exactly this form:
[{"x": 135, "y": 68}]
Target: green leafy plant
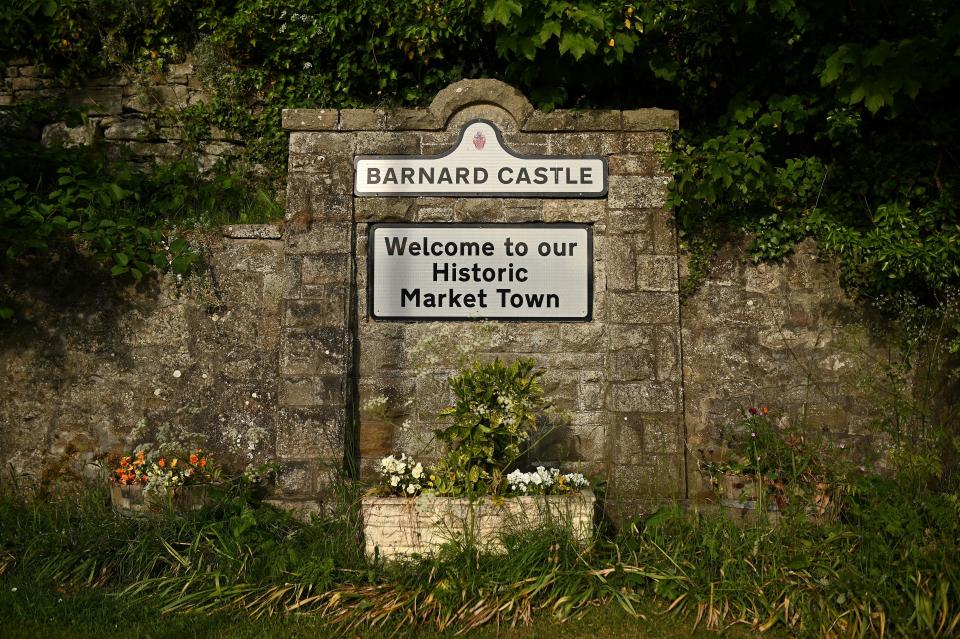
[
  {"x": 780, "y": 465},
  {"x": 493, "y": 416}
]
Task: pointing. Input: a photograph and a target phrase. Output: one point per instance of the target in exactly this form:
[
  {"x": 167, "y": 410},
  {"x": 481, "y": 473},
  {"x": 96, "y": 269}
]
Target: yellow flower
[
  {"x": 627, "y": 23},
  {"x": 611, "y": 42}
]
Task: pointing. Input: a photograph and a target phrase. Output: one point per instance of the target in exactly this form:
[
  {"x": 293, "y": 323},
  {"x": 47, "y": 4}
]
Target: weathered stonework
[
  {"x": 272, "y": 354},
  {"x": 784, "y": 336},
  {"x": 131, "y": 114},
  {"x": 608, "y": 396},
  {"x": 395, "y": 527}
]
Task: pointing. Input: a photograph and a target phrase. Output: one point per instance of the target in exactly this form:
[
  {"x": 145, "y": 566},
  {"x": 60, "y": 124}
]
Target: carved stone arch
[{"x": 470, "y": 93}]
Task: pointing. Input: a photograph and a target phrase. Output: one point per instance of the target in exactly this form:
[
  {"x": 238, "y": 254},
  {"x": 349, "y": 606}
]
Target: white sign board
[
  {"x": 480, "y": 165},
  {"x": 479, "y": 271}
]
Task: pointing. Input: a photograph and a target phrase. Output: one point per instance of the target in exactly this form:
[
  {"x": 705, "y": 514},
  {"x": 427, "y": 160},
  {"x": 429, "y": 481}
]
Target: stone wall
[
  {"x": 782, "y": 336},
  {"x": 136, "y": 115},
  {"x": 270, "y": 352},
  {"x": 91, "y": 368}
]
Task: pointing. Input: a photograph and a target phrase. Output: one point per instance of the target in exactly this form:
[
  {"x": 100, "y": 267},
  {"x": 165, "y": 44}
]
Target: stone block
[
  {"x": 667, "y": 344},
  {"x": 322, "y": 143},
  {"x": 570, "y": 120},
  {"x": 179, "y": 73},
  {"x": 589, "y": 144},
  {"x": 643, "y": 397},
  {"x": 664, "y": 228},
  {"x": 327, "y": 391},
  {"x": 411, "y": 120},
  {"x": 651, "y": 120},
  {"x": 295, "y": 479},
  {"x": 582, "y": 336},
  {"x": 328, "y": 237},
  {"x": 328, "y": 307},
  {"x": 621, "y": 267},
  {"x": 258, "y": 256},
  {"x": 314, "y": 351},
  {"x": 310, "y": 433},
  {"x": 632, "y": 364},
  {"x": 645, "y": 307},
  {"x": 634, "y": 191},
  {"x": 26, "y": 83},
  {"x": 656, "y": 273},
  {"x": 385, "y": 209},
  {"x": 580, "y": 211},
  {"x": 252, "y": 231},
  {"x": 310, "y": 119},
  {"x": 649, "y": 164},
  {"x": 155, "y": 97},
  {"x": 632, "y": 143},
  {"x": 589, "y": 396},
  {"x": 362, "y": 119},
  {"x": 61, "y": 135},
  {"x": 633, "y": 222},
  {"x": 330, "y": 268},
  {"x": 150, "y": 151},
  {"x": 388, "y": 143}
]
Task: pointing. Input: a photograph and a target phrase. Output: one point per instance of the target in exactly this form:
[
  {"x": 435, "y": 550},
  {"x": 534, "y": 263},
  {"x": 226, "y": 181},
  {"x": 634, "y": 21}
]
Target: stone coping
[
  {"x": 467, "y": 93},
  {"x": 559, "y": 121},
  {"x": 253, "y": 231}
]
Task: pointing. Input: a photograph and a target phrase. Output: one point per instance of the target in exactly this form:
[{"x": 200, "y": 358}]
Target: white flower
[
  {"x": 306, "y": 67},
  {"x": 412, "y": 488},
  {"x": 417, "y": 471},
  {"x": 394, "y": 480}
]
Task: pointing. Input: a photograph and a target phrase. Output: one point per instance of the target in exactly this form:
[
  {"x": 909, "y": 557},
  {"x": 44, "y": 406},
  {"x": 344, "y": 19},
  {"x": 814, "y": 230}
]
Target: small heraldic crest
[{"x": 479, "y": 140}]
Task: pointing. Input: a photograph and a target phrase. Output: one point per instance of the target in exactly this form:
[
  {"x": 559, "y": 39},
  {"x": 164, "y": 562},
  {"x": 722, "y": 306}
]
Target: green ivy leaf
[{"x": 502, "y": 11}]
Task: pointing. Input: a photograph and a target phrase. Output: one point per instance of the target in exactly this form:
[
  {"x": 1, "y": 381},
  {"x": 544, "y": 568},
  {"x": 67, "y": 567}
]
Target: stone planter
[
  {"x": 132, "y": 499},
  {"x": 396, "y": 527}
]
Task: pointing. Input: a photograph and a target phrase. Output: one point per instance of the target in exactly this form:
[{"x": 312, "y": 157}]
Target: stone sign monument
[{"x": 405, "y": 227}]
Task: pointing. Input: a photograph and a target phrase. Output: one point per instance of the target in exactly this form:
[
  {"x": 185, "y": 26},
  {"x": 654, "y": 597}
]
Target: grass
[
  {"x": 32, "y": 611},
  {"x": 888, "y": 566}
]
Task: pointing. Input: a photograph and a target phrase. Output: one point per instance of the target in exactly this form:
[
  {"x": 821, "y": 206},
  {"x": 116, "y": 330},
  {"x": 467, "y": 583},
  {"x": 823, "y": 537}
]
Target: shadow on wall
[{"x": 90, "y": 359}]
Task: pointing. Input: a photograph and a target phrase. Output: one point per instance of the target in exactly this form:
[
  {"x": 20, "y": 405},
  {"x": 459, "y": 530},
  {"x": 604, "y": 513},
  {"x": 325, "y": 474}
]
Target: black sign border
[
  {"x": 372, "y": 227},
  {"x": 580, "y": 195}
]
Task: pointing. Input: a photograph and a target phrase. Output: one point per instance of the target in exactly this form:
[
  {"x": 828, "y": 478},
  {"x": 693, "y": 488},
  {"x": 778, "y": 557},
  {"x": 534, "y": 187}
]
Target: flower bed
[
  {"x": 396, "y": 527},
  {"x": 142, "y": 483}
]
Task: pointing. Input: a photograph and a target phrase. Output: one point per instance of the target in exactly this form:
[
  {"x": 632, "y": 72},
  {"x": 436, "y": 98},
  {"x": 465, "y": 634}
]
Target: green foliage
[
  {"x": 493, "y": 416},
  {"x": 798, "y": 121},
  {"x": 888, "y": 565},
  {"x": 132, "y": 221}
]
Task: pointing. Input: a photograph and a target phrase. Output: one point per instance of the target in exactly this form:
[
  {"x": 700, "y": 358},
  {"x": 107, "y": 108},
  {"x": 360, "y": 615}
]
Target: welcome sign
[
  {"x": 474, "y": 271},
  {"x": 480, "y": 165}
]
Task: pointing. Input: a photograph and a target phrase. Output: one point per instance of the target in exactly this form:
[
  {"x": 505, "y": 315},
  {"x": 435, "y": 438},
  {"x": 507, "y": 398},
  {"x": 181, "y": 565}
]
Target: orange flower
[
  {"x": 124, "y": 462},
  {"x": 162, "y": 463},
  {"x": 765, "y": 410},
  {"x": 203, "y": 462},
  {"x": 193, "y": 459}
]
